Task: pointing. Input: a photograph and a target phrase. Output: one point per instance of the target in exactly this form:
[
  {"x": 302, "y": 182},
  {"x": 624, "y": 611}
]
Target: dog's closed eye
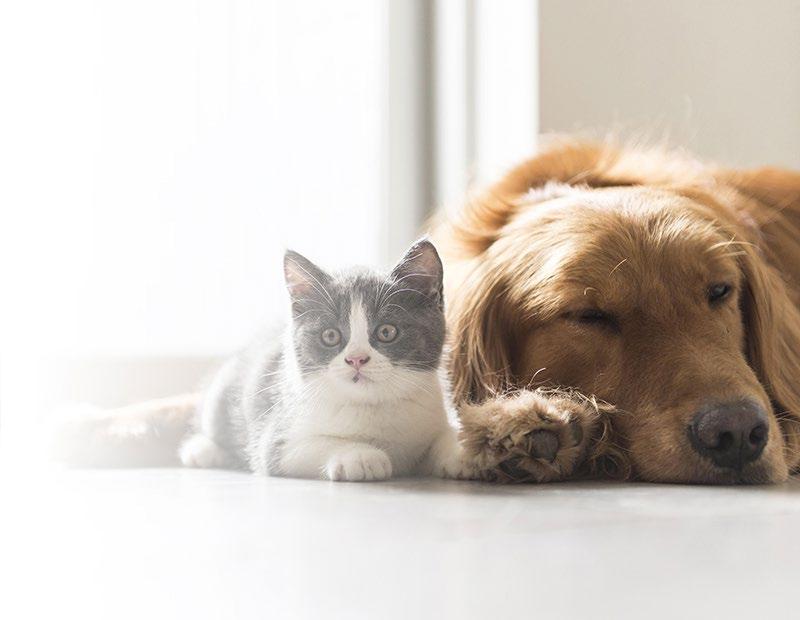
[
  {"x": 595, "y": 318},
  {"x": 718, "y": 292}
]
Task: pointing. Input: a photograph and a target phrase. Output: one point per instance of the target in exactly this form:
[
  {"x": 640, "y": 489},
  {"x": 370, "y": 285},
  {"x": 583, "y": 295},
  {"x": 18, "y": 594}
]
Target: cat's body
[{"x": 349, "y": 390}]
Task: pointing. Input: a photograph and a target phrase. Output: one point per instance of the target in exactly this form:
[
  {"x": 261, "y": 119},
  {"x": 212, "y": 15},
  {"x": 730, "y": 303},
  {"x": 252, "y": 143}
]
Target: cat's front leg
[
  {"x": 359, "y": 462},
  {"x": 448, "y": 459},
  {"x": 337, "y": 459},
  {"x": 530, "y": 436}
]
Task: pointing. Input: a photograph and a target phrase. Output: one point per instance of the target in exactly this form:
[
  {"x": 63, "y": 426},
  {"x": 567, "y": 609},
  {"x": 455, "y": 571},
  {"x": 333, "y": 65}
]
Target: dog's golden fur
[{"x": 588, "y": 268}]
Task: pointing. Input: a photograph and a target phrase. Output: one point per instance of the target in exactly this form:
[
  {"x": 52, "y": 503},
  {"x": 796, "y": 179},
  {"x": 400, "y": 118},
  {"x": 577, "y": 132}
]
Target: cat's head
[{"x": 367, "y": 334}]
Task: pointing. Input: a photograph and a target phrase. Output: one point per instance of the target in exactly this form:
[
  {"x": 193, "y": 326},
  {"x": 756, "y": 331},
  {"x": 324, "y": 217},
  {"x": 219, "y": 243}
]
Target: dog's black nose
[{"x": 730, "y": 434}]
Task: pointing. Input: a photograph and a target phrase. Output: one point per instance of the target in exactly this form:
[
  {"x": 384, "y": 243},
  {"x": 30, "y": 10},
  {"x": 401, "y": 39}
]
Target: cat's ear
[
  {"x": 304, "y": 280},
  {"x": 421, "y": 269}
]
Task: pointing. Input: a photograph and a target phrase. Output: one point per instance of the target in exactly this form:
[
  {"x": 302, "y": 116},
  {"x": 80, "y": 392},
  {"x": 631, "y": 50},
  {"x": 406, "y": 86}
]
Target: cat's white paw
[
  {"x": 457, "y": 466},
  {"x": 356, "y": 464},
  {"x": 200, "y": 451}
]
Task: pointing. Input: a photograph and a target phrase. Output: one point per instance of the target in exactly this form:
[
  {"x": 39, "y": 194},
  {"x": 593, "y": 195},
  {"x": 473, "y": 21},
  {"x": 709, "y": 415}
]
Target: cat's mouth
[{"x": 358, "y": 377}]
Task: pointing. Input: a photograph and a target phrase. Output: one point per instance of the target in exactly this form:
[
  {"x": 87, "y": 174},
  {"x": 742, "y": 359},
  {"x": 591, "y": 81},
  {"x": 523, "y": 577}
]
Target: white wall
[
  {"x": 719, "y": 77},
  {"x": 485, "y": 91}
]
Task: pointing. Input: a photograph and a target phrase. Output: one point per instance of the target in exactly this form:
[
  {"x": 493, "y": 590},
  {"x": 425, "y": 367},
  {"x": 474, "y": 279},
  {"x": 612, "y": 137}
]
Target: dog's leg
[{"x": 530, "y": 436}]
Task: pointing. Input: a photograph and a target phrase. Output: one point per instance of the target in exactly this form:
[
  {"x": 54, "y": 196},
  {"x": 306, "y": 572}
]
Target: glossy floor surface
[{"x": 152, "y": 544}]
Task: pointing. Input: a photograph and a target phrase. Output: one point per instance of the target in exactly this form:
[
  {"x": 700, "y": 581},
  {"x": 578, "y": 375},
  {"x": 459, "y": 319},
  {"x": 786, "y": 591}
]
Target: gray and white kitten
[{"x": 349, "y": 391}]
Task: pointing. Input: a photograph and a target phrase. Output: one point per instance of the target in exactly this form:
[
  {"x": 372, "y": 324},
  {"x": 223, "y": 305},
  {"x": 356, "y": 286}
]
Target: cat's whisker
[
  {"x": 391, "y": 290},
  {"x": 309, "y": 390},
  {"x": 399, "y": 307},
  {"x": 288, "y": 380},
  {"x": 381, "y": 290},
  {"x": 318, "y": 286},
  {"x": 407, "y": 382},
  {"x": 323, "y": 310},
  {"x": 402, "y": 290}
]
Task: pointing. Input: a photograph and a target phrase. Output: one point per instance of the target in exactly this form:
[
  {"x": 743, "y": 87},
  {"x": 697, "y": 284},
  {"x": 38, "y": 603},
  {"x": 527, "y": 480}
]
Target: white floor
[{"x": 211, "y": 544}]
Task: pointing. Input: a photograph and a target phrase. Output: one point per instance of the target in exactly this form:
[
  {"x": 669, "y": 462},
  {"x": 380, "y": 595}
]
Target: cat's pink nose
[{"x": 356, "y": 361}]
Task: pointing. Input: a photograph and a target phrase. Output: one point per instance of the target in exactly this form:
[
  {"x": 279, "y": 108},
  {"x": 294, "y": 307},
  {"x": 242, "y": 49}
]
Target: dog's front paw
[
  {"x": 529, "y": 436},
  {"x": 359, "y": 464}
]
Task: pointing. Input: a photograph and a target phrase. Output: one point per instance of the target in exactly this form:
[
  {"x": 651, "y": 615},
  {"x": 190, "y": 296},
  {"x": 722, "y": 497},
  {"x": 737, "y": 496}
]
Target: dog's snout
[{"x": 730, "y": 434}]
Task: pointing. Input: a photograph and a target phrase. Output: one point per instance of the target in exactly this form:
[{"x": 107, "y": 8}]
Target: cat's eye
[
  {"x": 386, "y": 333},
  {"x": 331, "y": 337},
  {"x": 718, "y": 292}
]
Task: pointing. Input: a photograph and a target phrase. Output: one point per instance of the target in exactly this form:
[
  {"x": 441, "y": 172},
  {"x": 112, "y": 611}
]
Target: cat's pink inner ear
[
  {"x": 302, "y": 276},
  {"x": 421, "y": 267},
  {"x": 296, "y": 279}
]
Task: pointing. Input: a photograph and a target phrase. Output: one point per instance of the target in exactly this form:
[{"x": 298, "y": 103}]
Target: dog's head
[{"x": 649, "y": 287}]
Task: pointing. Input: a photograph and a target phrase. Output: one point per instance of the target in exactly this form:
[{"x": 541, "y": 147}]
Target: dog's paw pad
[
  {"x": 544, "y": 445},
  {"x": 512, "y": 467},
  {"x": 576, "y": 427}
]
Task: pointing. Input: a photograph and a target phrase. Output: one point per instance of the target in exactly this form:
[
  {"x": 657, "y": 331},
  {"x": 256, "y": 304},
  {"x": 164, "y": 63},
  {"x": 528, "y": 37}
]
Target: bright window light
[{"x": 165, "y": 153}]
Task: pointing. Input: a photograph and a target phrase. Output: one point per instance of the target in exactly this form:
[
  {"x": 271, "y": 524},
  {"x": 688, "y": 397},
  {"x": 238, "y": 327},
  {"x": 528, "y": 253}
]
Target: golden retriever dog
[{"x": 629, "y": 313}]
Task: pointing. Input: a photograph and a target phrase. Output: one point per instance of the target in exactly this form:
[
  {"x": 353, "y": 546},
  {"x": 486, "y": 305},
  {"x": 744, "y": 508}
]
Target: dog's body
[{"x": 664, "y": 288}]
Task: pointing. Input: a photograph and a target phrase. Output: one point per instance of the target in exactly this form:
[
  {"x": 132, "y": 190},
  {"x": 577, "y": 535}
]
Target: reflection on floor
[{"x": 211, "y": 544}]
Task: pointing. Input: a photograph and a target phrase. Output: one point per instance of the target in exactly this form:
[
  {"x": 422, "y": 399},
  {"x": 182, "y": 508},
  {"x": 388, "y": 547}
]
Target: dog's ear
[
  {"x": 776, "y": 188},
  {"x": 772, "y": 325},
  {"x": 480, "y": 327},
  {"x": 771, "y": 314}
]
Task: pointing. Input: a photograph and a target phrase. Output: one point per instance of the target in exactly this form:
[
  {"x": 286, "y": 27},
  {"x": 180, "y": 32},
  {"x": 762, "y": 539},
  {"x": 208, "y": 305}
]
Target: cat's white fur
[
  {"x": 392, "y": 421},
  {"x": 200, "y": 451}
]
